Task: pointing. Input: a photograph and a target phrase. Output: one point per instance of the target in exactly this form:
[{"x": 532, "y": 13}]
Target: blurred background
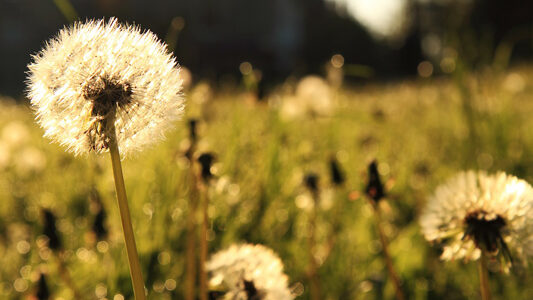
[
  {"x": 378, "y": 40},
  {"x": 281, "y": 91}
]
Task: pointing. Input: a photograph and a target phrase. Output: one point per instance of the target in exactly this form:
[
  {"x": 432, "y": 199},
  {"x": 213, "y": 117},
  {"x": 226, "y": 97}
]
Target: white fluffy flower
[
  {"x": 313, "y": 97},
  {"x": 249, "y": 272},
  {"x": 474, "y": 211},
  {"x": 94, "y": 77}
]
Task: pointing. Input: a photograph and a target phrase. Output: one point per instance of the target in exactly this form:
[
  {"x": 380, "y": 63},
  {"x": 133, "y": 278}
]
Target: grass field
[{"x": 421, "y": 132}]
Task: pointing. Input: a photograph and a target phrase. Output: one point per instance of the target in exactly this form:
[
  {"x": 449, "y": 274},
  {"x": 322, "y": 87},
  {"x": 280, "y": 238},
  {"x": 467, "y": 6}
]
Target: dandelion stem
[
  {"x": 313, "y": 264},
  {"x": 191, "y": 236},
  {"x": 203, "y": 243},
  {"x": 388, "y": 260},
  {"x": 65, "y": 275},
  {"x": 129, "y": 238},
  {"x": 484, "y": 277}
]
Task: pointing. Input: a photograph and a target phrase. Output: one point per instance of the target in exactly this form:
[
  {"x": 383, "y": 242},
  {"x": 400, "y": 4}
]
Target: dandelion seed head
[
  {"x": 475, "y": 211},
  {"x": 249, "y": 272},
  {"x": 99, "y": 76},
  {"x": 314, "y": 95}
]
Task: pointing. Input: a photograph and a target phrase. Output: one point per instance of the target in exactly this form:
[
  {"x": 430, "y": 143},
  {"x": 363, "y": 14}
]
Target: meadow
[{"x": 420, "y": 131}]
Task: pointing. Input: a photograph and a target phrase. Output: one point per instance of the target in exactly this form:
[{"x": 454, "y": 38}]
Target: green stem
[
  {"x": 65, "y": 275},
  {"x": 203, "y": 242},
  {"x": 191, "y": 235},
  {"x": 484, "y": 277},
  {"x": 129, "y": 238},
  {"x": 388, "y": 260},
  {"x": 315, "y": 289}
]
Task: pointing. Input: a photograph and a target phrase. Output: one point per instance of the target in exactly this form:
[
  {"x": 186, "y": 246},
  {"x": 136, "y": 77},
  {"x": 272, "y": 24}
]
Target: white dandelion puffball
[
  {"x": 315, "y": 96},
  {"x": 249, "y": 272},
  {"x": 95, "y": 77},
  {"x": 475, "y": 211}
]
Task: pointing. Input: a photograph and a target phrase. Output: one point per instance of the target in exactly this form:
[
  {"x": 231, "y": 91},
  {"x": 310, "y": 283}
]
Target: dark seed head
[
  {"x": 251, "y": 291},
  {"x": 50, "y": 230},
  {"x": 337, "y": 176},
  {"x": 486, "y": 233},
  {"x": 42, "y": 293},
  {"x": 206, "y": 161},
  {"x": 99, "y": 227},
  {"x": 192, "y": 129},
  {"x": 374, "y": 189},
  {"x": 106, "y": 95},
  {"x": 311, "y": 182},
  {"x": 215, "y": 295}
]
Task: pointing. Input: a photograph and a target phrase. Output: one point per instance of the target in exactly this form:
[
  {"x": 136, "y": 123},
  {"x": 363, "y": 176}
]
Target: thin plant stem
[
  {"x": 191, "y": 235},
  {"x": 388, "y": 260},
  {"x": 65, "y": 275},
  {"x": 336, "y": 223},
  {"x": 67, "y": 9},
  {"x": 129, "y": 238},
  {"x": 203, "y": 242},
  {"x": 313, "y": 265},
  {"x": 484, "y": 277}
]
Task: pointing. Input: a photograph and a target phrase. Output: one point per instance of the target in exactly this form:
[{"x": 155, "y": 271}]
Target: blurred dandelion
[
  {"x": 187, "y": 77},
  {"x": 248, "y": 272},
  {"x": 374, "y": 189},
  {"x": 313, "y": 97},
  {"x": 311, "y": 181},
  {"x": 481, "y": 216},
  {"x": 99, "y": 227},
  {"x": 206, "y": 161},
  {"x": 334, "y": 70},
  {"x": 102, "y": 86},
  {"x": 42, "y": 292},
  {"x": 55, "y": 244},
  {"x": 15, "y": 134},
  {"x": 192, "y": 215},
  {"x": 336, "y": 174},
  {"x": 474, "y": 212},
  {"x": 50, "y": 230},
  {"x": 375, "y": 192}
]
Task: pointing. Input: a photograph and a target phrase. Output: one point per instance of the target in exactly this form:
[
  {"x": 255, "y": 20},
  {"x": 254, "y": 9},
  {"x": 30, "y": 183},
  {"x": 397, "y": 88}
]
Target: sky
[{"x": 383, "y": 18}]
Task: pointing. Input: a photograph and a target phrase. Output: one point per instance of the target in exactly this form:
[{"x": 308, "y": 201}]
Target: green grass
[{"x": 418, "y": 131}]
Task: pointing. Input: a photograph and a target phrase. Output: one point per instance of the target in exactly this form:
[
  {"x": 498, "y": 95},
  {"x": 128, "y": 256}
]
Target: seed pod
[
  {"x": 374, "y": 189},
  {"x": 50, "y": 230}
]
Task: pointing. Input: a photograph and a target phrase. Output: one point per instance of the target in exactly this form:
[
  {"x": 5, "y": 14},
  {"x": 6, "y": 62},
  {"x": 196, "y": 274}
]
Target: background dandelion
[
  {"x": 480, "y": 216},
  {"x": 248, "y": 272},
  {"x": 476, "y": 211}
]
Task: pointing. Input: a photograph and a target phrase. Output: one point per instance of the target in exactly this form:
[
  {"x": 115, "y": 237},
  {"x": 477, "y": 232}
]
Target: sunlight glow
[{"x": 382, "y": 17}]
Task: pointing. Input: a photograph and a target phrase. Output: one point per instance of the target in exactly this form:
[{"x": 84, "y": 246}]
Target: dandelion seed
[
  {"x": 475, "y": 212},
  {"x": 94, "y": 77},
  {"x": 251, "y": 272}
]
